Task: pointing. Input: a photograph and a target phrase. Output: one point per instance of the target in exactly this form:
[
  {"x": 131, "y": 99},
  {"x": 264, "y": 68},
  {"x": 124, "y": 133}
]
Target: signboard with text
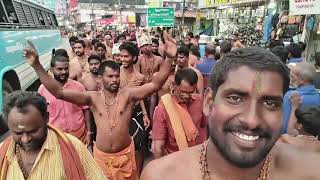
[
  {"x": 163, "y": 17},
  {"x": 303, "y": 7}
]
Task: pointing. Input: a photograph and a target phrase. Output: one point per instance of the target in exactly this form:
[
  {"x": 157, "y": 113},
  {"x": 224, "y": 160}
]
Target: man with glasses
[
  {"x": 178, "y": 120},
  {"x": 183, "y": 62}
]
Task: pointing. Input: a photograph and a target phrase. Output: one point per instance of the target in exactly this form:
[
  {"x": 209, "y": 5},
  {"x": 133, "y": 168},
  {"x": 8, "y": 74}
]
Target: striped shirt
[{"x": 49, "y": 165}]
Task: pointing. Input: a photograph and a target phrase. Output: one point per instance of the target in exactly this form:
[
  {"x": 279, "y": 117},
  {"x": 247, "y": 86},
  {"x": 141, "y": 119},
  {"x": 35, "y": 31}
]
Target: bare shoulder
[
  {"x": 158, "y": 59},
  {"x": 179, "y": 165},
  {"x": 295, "y": 163}
]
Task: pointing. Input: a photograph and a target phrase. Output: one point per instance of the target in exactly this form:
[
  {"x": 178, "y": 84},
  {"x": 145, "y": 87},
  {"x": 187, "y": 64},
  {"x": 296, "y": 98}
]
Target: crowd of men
[{"x": 110, "y": 104}]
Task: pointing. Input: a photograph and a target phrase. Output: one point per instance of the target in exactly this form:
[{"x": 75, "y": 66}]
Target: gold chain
[
  {"x": 126, "y": 79},
  {"x": 147, "y": 69},
  {"x": 20, "y": 162},
  {"x": 264, "y": 172},
  {"x": 113, "y": 120}
]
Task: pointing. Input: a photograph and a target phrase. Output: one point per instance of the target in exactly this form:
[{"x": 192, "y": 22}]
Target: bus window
[
  {"x": 28, "y": 14},
  {"x": 54, "y": 20},
  {"x": 35, "y": 16},
  {"x": 41, "y": 18},
  {"x": 13, "y": 18},
  {"x": 45, "y": 19}
]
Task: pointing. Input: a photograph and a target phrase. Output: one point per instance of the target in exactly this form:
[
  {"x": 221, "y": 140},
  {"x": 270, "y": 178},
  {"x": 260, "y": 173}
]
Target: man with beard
[
  {"x": 79, "y": 65},
  {"x": 183, "y": 62},
  {"x": 130, "y": 77},
  {"x": 101, "y": 51},
  {"x": 178, "y": 120},
  {"x": 301, "y": 77},
  {"x": 155, "y": 47},
  {"x": 92, "y": 81},
  {"x": 67, "y": 117},
  {"x": 72, "y": 41},
  {"x": 243, "y": 103},
  {"x": 112, "y": 109},
  {"x": 37, "y": 150}
]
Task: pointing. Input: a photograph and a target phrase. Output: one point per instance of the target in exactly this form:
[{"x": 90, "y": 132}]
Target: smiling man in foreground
[{"x": 243, "y": 103}]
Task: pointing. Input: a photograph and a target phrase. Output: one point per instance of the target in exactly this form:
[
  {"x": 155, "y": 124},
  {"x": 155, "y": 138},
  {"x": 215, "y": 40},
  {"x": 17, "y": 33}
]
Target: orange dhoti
[
  {"x": 117, "y": 166},
  {"x": 80, "y": 133}
]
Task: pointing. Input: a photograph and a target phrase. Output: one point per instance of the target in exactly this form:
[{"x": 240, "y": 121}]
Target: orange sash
[
  {"x": 181, "y": 121},
  {"x": 71, "y": 160},
  {"x": 117, "y": 166},
  {"x": 80, "y": 133}
]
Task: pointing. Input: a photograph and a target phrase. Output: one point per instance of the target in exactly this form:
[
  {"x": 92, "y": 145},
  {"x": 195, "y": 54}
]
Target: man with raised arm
[{"x": 112, "y": 109}]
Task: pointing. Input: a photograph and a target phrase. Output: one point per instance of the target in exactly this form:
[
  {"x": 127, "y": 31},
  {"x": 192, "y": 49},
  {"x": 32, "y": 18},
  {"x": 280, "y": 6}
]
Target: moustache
[
  {"x": 242, "y": 128},
  {"x": 63, "y": 75}
]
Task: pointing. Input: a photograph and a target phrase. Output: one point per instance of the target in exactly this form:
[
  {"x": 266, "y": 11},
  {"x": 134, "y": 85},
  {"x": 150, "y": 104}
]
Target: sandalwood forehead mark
[{"x": 256, "y": 86}]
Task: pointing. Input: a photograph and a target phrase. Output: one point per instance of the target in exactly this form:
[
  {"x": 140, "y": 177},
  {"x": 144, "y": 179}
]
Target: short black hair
[
  {"x": 281, "y": 52},
  {"x": 99, "y": 44},
  {"x": 303, "y": 45},
  {"x": 275, "y": 43},
  {"x": 60, "y": 52},
  {"x": 131, "y": 48},
  {"x": 120, "y": 36},
  {"x": 225, "y": 46},
  {"x": 155, "y": 41},
  {"x": 197, "y": 36},
  {"x": 210, "y": 49},
  {"x": 253, "y": 57},
  {"x": 94, "y": 56},
  {"x": 94, "y": 42},
  {"x": 56, "y": 59},
  {"x": 80, "y": 41},
  {"x": 73, "y": 39},
  {"x": 190, "y": 34},
  {"x": 195, "y": 51},
  {"x": 21, "y": 99},
  {"x": 186, "y": 74},
  {"x": 99, "y": 36},
  {"x": 295, "y": 50},
  {"x": 308, "y": 116},
  {"x": 110, "y": 64},
  {"x": 184, "y": 50}
]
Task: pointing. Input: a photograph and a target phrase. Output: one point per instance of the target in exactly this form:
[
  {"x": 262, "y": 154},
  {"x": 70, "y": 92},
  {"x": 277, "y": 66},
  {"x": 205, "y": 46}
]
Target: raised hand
[
  {"x": 295, "y": 100},
  {"x": 30, "y": 54},
  {"x": 170, "y": 45}
]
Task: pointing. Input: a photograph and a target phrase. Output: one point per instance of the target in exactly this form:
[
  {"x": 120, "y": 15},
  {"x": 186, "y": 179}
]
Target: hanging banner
[{"x": 303, "y": 7}]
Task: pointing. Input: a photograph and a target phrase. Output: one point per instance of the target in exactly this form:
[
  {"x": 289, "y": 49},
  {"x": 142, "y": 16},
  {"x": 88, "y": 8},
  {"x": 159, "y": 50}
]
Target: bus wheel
[{"x": 6, "y": 89}]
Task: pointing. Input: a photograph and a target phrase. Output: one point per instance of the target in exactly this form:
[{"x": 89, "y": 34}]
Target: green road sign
[{"x": 161, "y": 17}]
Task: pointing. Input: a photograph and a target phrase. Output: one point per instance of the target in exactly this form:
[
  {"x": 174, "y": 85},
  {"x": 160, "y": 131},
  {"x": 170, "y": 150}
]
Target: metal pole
[
  {"x": 119, "y": 2},
  {"x": 92, "y": 16},
  {"x": 182, "y": 16}
]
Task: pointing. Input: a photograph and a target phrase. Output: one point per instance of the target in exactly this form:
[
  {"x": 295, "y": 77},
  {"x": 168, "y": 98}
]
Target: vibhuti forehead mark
[{"x": 257, "y": 85}]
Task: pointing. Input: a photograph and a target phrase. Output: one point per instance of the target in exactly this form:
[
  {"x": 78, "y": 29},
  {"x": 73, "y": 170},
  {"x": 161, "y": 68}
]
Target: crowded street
[{"x": 160, "y": 89}]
